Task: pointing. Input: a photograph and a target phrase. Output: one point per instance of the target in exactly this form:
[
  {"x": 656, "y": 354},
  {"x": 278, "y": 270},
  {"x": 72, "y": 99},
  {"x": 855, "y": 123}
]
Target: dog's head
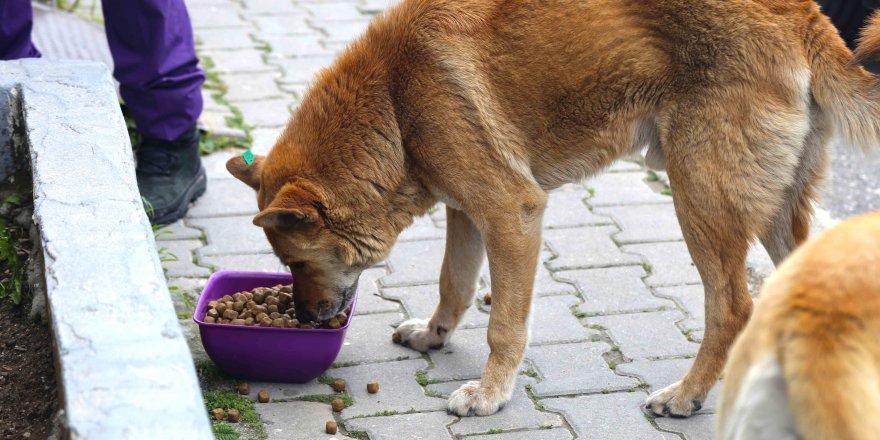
[{"x": 296, "y": 215}]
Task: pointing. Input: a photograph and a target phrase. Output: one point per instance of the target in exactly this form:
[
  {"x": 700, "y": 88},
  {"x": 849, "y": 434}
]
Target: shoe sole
[{"x": 178, "y": 210}]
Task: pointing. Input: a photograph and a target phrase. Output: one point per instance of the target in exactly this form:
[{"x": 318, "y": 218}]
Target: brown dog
[
  {"x": 487, "y": 105},
  {"x": 807, "y": 366}
]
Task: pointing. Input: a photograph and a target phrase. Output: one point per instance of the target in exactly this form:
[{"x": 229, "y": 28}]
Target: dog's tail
[
  {"x": 832, "y": 379},
  {"x": 841, "y": 87}
]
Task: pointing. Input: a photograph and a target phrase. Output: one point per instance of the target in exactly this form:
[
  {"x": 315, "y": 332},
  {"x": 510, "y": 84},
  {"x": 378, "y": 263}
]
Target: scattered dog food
[
  {"x": 218, "y": 414},
  {"x": 233, "y": 416},
  {"x": 330, "y": 428},
  {"x": 263, "y": 396},
  {"x": 337, "y": 405},
  {"x": 244, "y": 388},
  {"x": 373, "y": 387},
  {"x": 262, "y": 307},
  {"x": 339, "y": 386},
  {"x": 395, "y": 337},
  {"x": 487, "y": 299}
]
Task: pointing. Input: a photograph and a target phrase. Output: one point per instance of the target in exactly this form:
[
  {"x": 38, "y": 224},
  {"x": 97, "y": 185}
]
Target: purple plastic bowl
[{"x": 266, "y": 354}]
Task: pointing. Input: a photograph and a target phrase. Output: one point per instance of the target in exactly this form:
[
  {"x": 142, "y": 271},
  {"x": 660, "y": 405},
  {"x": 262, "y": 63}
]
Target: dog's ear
[
  {"x": 247, "y": 173},
  {"x": 294, "y": 205}
]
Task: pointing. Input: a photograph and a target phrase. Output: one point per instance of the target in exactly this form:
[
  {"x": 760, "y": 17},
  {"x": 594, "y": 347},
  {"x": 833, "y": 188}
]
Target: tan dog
[
  {"x": 807, "y": 366},
  {"x": 487, "y": 105}
]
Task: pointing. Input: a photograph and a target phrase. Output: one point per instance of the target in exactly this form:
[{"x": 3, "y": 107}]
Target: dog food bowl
[{"x": 265, "y": 354}]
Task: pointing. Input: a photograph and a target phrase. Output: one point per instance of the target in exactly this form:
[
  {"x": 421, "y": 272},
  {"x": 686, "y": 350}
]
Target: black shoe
[{"x": 170, "y": 176}]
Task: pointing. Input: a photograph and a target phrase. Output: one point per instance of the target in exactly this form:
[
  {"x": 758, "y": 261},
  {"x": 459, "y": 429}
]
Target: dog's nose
[{"x": 303, "y": 315}]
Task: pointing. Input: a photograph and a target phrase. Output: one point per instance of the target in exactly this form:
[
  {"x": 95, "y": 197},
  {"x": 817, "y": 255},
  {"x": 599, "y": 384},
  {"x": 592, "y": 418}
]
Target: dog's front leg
[
  {"x": 458, "y": 284},
  {"x": 513, "y": 241}
]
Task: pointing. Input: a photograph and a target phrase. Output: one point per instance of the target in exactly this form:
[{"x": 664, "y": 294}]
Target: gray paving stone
[
  {"x": 285, "y": 392},
  {"x": 543, "y": 434},
  {"x": 644, "y": 223},
  {"x": 415, "y": 262},
  {"x": 423, "y": 228},
  {"x": 575, "y": 369},
  {"x": 671, "y": 264},
  {"x": 301, "y": 45},
  {"x": 588, "y": 247},
  {"x": 342, "y": 31},
  {"x": 614, "y": 290},
  {"x": 691, "y": 299},
  {"x": 647, "y": 335},
  {"x": 623, "y": 189},
  {"x": 270, "y": 7},
  {"x": 420, "y": 301},
  {"x": 225, "y": 197},
  {"x": 420, "y": 426},
  {"x": 284, "y": 24},
  {"x": 181, "y": 252},
  {"x": 231, "y": 235},
  {"x": 225, "y": 39},
  {"x": 266, "y": 113},
  {"x": 369, "y": 300},
  {"x": 376, "y": 6},
  {"x": 295, "y": 420},
  {"x": 519, "y": 413},
  {"x": 216, "y": 16},
  {"x": 184, "y": 294},
  {"x": 368, "y": 339},
  {"x": 334, "y": 10},
  {"x": 249, "y": 262},
  {"x": 566, "y": 209},
  {"x": 661, "y": 373},
  {"x": 622, "y": 166},
  {"x": 215, "y": 164},
  {"x": 264, "y": 139},
  {"x": 613, "y": 416},
  {"x": 553, "y": 322},
  {"x": 239, "y": 61},
  {"x": 302, "y": 70},
  {"x": 209, "y": 103},
  {"x": 251, "y": 86},
  {"x": 398, "y": 389},
  {"x": 177, "y": 231},
  {"x": 297, "y": 90},
  {"x": 462, "y": 358},
  {"x": 698, "y": 427}
]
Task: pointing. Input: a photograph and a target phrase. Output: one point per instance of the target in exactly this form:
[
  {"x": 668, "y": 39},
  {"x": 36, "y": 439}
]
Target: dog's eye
[{"x": 297, "y": 265}]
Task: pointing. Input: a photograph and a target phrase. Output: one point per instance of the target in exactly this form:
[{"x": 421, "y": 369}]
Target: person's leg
[
  {"x": 155, "y": 63},
  {"x": 16, "y": 21}
]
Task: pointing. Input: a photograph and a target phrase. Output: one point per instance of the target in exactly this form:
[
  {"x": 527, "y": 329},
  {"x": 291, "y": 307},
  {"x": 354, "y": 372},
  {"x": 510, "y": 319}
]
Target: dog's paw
[
  {"x": 416, "y": 334},
  {"x": 473, "y": 400},
  {"x": 670, "y": 402}
]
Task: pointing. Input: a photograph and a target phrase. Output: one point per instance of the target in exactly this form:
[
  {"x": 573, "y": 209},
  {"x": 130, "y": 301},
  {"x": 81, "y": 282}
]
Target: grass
[
  {"x": 422, "y": 378},
  {"x": 358, "y": 434},
  {"x": 546, "y": 426},
  {"x": 225, "y": 431},
  {"x": 328, "y": 380},
  {"x": 530, "y": 372},
  {"x": 666, "y": 192},
  {"x": 432, "y": 393},
  {"x": 10, "y": 288},
  {"x": 580, "y": 314},
  {"x": 343, "y": 364},
  {"x": 227, "y": 400},
  {"x": 207, "y": 370},
  {"x": 612, "y": 365},
  {"x": 648, "y": 268},
  {"x": 652, "y": 177},
  {"x": 326, "y": 398},
  {"x": 494, "y": 431}
]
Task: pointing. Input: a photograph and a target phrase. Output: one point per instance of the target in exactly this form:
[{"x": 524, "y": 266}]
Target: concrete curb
[{"x": 124, "y": 367}]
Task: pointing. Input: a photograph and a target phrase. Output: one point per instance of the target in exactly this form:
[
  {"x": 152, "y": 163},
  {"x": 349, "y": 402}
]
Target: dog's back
[{"x": 808, "y": 364}]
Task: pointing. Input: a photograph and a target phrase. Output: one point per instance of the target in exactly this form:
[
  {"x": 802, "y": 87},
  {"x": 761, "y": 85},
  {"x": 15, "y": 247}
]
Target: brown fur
[
  {"x": 817, "y": 325},
  {"x": 487, "y": 105}
]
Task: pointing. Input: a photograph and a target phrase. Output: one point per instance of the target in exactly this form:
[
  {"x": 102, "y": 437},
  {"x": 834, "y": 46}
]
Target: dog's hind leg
[
  {"x": 458, "y": 284},
  {"x": 791, "y": 223}
]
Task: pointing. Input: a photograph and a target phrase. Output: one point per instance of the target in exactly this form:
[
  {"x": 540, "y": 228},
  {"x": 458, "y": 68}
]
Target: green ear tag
[{"x": 248, "y": 156}]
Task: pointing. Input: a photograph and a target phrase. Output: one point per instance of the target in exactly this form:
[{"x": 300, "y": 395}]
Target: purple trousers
[{"x": 154, "y": 56}]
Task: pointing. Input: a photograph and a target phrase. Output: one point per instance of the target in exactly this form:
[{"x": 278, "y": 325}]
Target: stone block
[
  {"x": 588, "y": 247},
  {"x": 647, "y": 335},
  {"x": 614, "y": 416},
  {"x": 567, "y": 369}
]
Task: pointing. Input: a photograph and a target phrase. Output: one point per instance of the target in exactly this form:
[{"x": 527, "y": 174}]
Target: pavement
[{"x": 613, "y": 265}]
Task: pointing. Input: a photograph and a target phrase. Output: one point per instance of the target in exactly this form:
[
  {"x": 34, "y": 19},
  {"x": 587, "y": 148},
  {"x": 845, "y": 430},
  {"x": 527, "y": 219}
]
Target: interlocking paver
[
  {"x": 244, "y": 60},
  {"x": 519, "y": 413},
  {"x": 302, "y": 70},
  {"x": 421, "y": 426},
  {"x": 228, "y": 197},
  {"x": 249, "y": 262},
  {"x": 463, "y": 357},
  {"x": 697, "y": 427},
  {"x": 270, "y": 7},
  {"x": 369, "y": 299},
  {"x": 420, "y": 301},
  {"x": 216, "y": 16},
  {"x": 647, "y": 335},
  {"x": 614, "y": 290},
  {"x": 575, "y": 369},
  {"x": 623, "y": 189},
  {"x": 177, "y": 231},
  {"x": 251, "y": 86},
  {"x": 369, "y": 340},
  {"x": 179, "y": 258},
  {"x": 660, "y": 373},
  {"x": 423, "y": 228},
  {"x": 295, "y": 420},
  {"x": 543, "y": 434},
  {"x": 266, "y": 112},
  {"x": 282, "y": 24},
  {"x": 690, "y": 298},
  {"x": 587, "y": 247},
  {"x": 607, "y": 416},
  {"x": 553, "y": 322},
  {"x": 415, "y": 262},
  {"x": 342, "y": 31},
  {"x": 376, "y": 6},
  {"x": 566, "y": 209},
  {"x": 225, "y": 39},
  {"x": 670, "y": 263},
  {"x": 231, "y": 235},
  {"x": 263, "y": 140},
  {"x": 284, "y": 392},
  {"x": 334, "y": 10},
  {"x": 301, "y": 45},
  {"x": 644, "y": 223},
  {"x": 396, "y": 391}
]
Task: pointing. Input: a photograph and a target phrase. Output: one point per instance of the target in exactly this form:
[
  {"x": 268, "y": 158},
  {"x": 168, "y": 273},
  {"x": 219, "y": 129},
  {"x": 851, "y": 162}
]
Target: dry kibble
[
  {"x": 395, "y": 338},
  {"x": 249, "y": 296},
  {"x": 251, "y": 305},
  {"x": 487, "y": 299},
  {"x": 293, "y": 323},
  {"x": 246, "y": 314},
  {"x": 287, "y": 289},
  {"x": 337, "y": 405},
  {"x": 238, "y": 321},
  {"x": 221, "y": 307},
  {"x": 273, "y": 308},
  {"x": 342, "y": 318},
  {"x": 230, "y": 314},
  {"x": 330, "y": 428},
  {"x": 225, "y": 321},
  {"x": 233, "y": 416},
  {"x": 290, "y": 312},
  {"x": 333, "y": 323},
  {"x": 218, "y": 414},
  {"x": 261, "y": 309},
  {"x": 263, "y": 396},
  {"x": 226, "y": 298},
  {"x": 261, "y": 316},
  {"x": 266, "y": 322},
  {"x": 274, "y": 315},
  {"x": 339, "y": 386},
  {"x": 306, "y": 326},
  {"x": 285, "y": 298},
  {"x": 259, "y": 297},
  {"x": 373, "y": 387},
  {"x": 278, "y": 322},
  {"x": 243, "y": 388},
  {"x": 272, "y": 301},
  {"x": 238, "y": 306},
  {"x": 249, "y": 321},
  {"x": 210, "y": 319},
  {"x": 229, "y": 304}
]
